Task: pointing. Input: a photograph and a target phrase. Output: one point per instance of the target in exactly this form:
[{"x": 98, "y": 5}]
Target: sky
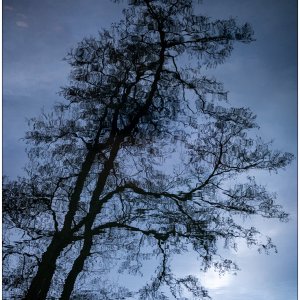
[{"x": 262, "y": 75}]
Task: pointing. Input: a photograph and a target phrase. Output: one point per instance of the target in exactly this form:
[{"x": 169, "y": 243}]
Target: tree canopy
[{"x": 145, "y": 159}]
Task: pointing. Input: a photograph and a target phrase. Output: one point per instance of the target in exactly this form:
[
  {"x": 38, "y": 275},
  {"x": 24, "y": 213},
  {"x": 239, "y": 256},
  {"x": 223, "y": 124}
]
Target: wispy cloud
[
  {"x": 22, "y": 24},
  {"x": 58, "y": 28},
  {"x": 8, "y": 7},
  {"x": 22, "y": 16}
]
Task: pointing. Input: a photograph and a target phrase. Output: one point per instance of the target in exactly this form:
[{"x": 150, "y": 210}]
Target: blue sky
[{"x": 261, "y": 75}]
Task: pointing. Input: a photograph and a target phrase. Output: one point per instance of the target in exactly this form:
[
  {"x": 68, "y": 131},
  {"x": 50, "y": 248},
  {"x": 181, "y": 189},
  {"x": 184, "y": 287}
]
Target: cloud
[
  {"x": 58, "y": 28},
  {"x": 22, "y": 24},
  {"x": 22, "y": 16},
  {"x": 8, "y": 7}
]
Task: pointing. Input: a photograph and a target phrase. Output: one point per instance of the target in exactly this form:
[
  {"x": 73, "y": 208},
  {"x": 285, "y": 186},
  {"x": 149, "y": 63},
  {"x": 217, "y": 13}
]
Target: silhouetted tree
[{"x": 140, "y": 162}]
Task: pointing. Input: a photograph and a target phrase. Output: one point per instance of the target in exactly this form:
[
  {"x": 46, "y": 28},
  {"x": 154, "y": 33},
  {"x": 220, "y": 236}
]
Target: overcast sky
[{"x": 263, "y": 75}]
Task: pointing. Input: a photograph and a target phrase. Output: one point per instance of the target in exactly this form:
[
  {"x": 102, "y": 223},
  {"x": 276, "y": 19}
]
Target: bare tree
[{"x": 145, "y": 157}]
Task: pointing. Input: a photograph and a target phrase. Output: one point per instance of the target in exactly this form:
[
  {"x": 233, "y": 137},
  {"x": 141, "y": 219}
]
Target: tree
[{"x": 144, "y": 158}]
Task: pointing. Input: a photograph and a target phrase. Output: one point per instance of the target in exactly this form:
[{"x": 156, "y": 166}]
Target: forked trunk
[{"x": 40, "y": 284}]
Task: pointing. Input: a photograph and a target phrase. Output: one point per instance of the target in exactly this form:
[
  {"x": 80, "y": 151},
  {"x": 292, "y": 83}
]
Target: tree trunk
[
  {"x": 90, "y": 218},
  {"x": 40, "y": 284},
  {"x": 76, "y": 268}
]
